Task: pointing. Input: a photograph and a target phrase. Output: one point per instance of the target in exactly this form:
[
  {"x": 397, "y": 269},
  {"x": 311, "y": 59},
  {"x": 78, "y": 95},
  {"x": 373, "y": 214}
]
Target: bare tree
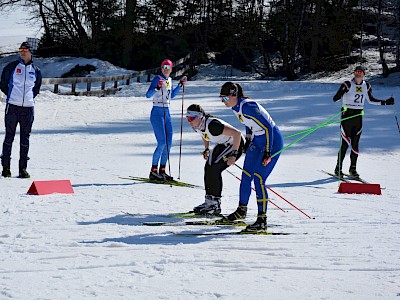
[
  {"x": 128, "y": 32},
  {"x": 315, "y": 33},
  {"x": 4, "y": 4},
  {"x": 398, "y": 36}
]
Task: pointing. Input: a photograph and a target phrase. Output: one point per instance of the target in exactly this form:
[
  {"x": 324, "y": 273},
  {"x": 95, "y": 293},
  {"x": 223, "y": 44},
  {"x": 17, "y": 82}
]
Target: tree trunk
[
  {"x": 285, "y": 50},
  {"x": 128, "y": 32},
  {"x": 315, "y": 36},
  {"x": 47, "y": 32},
  {"x": 379, "y": 31},
  {"x": 398, "y": 37}
]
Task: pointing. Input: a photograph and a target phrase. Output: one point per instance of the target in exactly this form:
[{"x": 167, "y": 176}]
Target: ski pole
[
  {"x": 395, "y": 116},
  {"x": 280, "y": 196},
  {"x": 255, "y": 190},
  {"x": 284, "y": 199},
  {"x": 180, "y": 142}
]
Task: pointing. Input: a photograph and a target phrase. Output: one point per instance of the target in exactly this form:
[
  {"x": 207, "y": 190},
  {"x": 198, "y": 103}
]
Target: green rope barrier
[
  {"x": 326, "y": 123},
  {"x": 311, "y": 130}
]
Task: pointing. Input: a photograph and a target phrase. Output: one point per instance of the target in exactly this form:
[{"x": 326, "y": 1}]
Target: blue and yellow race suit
[{"x": 265, "y": 137}]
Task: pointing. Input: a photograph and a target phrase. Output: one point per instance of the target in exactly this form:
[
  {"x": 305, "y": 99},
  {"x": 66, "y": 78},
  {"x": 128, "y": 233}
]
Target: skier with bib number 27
[
  {"x": 162, "y": 91},
  {"x": 263, "y": 140},
  {"x": 354, "y": 93}
]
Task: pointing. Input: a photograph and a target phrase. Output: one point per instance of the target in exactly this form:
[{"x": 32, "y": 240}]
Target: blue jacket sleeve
[
  {"x": 6, "y": 76},
  {"x": 4, "y": 82},
  {"x": 152, "y": 88},
  {"x": 175, "y": 91},
  {"x": 251, "y": 111},
  {"x": 38, "y": 82}
]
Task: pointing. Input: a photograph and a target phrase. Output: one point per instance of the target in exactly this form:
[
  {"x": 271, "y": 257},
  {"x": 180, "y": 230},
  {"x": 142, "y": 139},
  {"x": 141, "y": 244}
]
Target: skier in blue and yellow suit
[{"x": 263, "y": 140}]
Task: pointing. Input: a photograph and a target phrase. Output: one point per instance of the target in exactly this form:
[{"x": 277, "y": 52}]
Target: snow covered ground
[{"x": 82, "y": 246}]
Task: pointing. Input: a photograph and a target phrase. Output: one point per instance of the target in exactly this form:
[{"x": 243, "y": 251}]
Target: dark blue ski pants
[{"x": 23, "y": 116}]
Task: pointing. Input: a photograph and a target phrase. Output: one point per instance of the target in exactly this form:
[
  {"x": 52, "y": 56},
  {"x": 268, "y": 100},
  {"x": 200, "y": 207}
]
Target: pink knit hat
[{"x": 167, "y": 62}]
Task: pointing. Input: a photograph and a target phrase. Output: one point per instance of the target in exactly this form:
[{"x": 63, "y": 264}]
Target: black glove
[
  {"x": 233, "y": 153},
  {"x": 266, "y": 156},
  {"x": 389, "y": 101},
  {"x": 246, "y": 145},
  {"x": 183, "y": 81},
  {"x": 205, "y": 153}
]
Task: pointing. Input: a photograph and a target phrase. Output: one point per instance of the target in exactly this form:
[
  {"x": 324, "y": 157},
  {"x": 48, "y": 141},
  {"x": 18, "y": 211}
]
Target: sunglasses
[
  {"x": 190, "y": 119},
  {"x": 192, "y": 115},
  {"x": 23, "y": 50},
  {"x": 224, "y": 98},
  {"x": 166, "y": 67},
  {"x": 359, "y": 72}
]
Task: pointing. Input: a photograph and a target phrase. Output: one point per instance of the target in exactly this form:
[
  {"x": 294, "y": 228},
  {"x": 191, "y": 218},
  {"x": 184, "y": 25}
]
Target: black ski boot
[
  {"x": 165, "y": 175},
  {"x": 6, "y": 171},
  {"x": 353, "y": 172},
  {"x": 154, "y": 174},
  {"x": 259, "y": 226},
  {"x": 338, "y": 172},
  {"x": 239, "y": 214},
  {"x": 24, "y": 174}
]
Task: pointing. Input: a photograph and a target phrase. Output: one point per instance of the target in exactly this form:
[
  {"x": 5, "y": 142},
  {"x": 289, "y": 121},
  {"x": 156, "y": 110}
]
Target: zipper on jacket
[{"x": 23, "y": 97}]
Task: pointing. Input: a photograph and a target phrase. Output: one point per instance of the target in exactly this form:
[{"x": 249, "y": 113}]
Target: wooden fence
[{"x": 180, "y": 65}]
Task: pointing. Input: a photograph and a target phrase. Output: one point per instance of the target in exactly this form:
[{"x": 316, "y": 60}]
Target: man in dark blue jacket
[{"x": 20, "y": 82}]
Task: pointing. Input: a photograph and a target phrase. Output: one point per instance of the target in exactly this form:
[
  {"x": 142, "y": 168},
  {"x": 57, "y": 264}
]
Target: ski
[
  {"x": 210, "y": 220},
  {"x": 335, "y": 176},
  {"x": 228, "y": 233},
  {"x": 195, "y": 223},
  {"x": 169, "y": 182},
  {"x": 202, "y": 223},
  {"x": 191, "y": 215},
  {"x": 356, "y": 178},
  {"x": 183, "y": 215},
  {"x": 347, "y": 178}
]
